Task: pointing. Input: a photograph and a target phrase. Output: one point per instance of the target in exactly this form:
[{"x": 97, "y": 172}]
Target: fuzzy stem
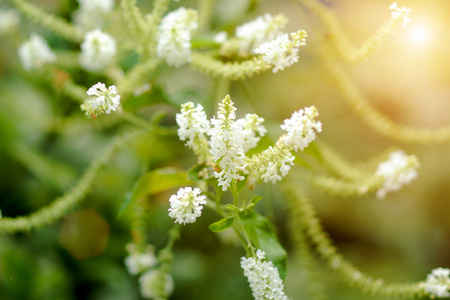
[
  {"x": 53, "y": 23},
  {"x": 62, "y": 205},
  {"x": 306, "y": 214}
]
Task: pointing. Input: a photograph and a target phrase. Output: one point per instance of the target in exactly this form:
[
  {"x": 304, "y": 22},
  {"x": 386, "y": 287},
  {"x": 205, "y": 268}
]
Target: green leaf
[
  {"x": 255, "y": 199},
  {"x": 263, "y": 236},
  {"x": 222, "y": 224},
  {"x": 193, "y": 173},
  {"x": 155, "y": 181}
]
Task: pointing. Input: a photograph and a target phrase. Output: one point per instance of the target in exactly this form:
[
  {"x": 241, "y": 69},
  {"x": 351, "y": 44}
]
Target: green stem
[
  {"x": 249, "y": 246},
  {"x": 132, "y": 118}
]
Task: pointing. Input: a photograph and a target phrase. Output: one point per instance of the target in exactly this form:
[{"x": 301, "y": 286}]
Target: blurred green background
[{"x": 46, "y": 143}]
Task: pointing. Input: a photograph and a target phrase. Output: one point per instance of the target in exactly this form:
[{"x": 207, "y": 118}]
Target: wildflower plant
[{"x": 242, "y": 172}]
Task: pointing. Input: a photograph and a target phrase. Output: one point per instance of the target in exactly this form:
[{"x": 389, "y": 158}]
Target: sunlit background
[{"x": 399, "y": 239}]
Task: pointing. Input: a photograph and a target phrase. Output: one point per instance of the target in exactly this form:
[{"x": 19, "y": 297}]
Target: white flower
[
  {"x": 9, "y": 19},
  {"x": 250, "y": 125},
  {"x": 402, "y": 12},
  {"x": 194, "y": 128},
  {"x": 438, "y": 283},
  {"x": 97, "y": 51},
  {"x": 186, "y": 206},
  {"x": 138, "y": 262},
  {"x": 263, "y": 277},
  {"x": 220, "y": 37},
  {"x": 282, "y": 52},
  {"x": 174, "y": 36},
  {"x": 92, "y": 13},
  {"x": 227, "y": 144},
  {"x": 193, "y": 123},
  {"x": 300, "y": 128},
  {"x": 35, "y": 52},
  {"x": 156, "y": 284},
  {"x": 397, "y": 171},
  {"x": 97, "y": 5},
  {"x": 263, "y": 29},
  {"x": 103, "y": 100}
]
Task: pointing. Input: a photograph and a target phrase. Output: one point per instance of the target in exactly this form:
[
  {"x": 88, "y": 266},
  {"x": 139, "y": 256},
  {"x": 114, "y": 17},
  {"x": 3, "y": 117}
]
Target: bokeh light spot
[{"x": 84, "y": 234}]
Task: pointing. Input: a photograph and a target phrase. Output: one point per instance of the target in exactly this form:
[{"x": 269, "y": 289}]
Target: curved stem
[
  {"x": 303, "y": 212},
  {"x": 58, "y": 25},
  {"x": 62, "y": 205}
]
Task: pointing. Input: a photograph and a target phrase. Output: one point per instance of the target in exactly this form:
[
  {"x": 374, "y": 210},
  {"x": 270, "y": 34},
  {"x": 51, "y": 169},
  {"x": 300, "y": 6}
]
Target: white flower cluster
[
  {"x": 398, "y": 170},
  {"x": 186, "y": 206},
  {"x": 9, "y": 19},
  {"x": 97, "y": 51},
  {"x": 282, "y": 52},
  {"x": 194, "y": 129},
  {"x": 438, "y": 283},
  {"x": 35, "y": 53},
  {"x": 138, "y": 262},
  {"x": 227, "y": 144},
  {"x": 300, "y": 128},
  {"x": 92, "y": 13},
  {"x": 193, "y": 125},
  {"x": 230, "y": 139},
  {"x": 174, "y": 36},
  {"x": 263, "y": 29},
  {"x": 250, "y": 125},
  {"x": 103, "y": 100},
  {"x": 263, "y": 277},
  {"x": 402, "y": 12},
  {"x": 156, "y": 284},
  {"x": 275, "y": 163}
]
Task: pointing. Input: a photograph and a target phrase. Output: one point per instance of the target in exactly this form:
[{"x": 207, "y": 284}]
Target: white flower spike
[
  {"x": 402, "y": 12},
  {"x": 301, "y": 127},
  {"x": 97, "y": 51},
  {"x": 194, "y": 129},
  {"x": 282, "y": 52},
  {"x": 174, "y": 36},
  {"x": 398, "y": 170},
  {"x": 438, "y": 283},
  {"x": 227, "y": 144},
  {"x": 35, "y": 53},
  {"x": 263, "y": 277},
  {"x": 186, "y": 206}
]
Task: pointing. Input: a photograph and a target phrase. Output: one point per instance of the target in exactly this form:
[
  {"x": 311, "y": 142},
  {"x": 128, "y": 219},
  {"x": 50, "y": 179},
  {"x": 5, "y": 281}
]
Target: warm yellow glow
[{"x": 419, "y": 35}]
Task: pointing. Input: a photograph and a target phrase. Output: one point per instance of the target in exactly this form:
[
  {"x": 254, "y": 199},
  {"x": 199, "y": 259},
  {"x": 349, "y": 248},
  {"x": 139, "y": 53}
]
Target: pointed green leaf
[
  {"x": 156, "y": 181},
  {"x": 255, "y": 199},
  {"x": 193, "y": 173},
  {"x": 222, "y": 224}
]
